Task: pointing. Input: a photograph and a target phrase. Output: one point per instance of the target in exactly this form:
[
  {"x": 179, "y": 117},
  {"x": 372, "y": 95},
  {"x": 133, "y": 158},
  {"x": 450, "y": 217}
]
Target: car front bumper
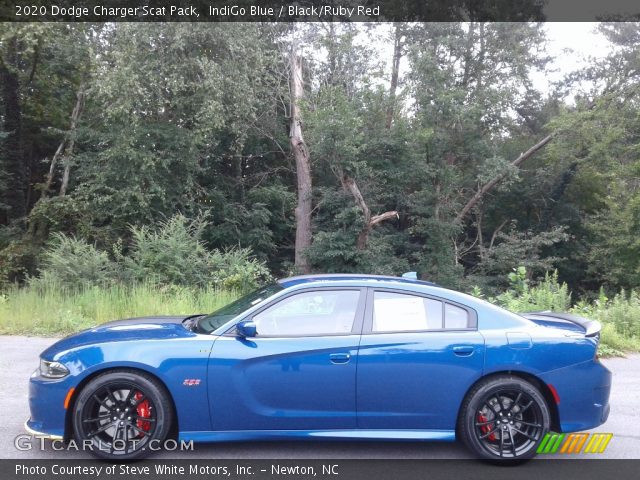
[
  {"x": 29, "y": 428},
  {"x": 46, "y": 404}
]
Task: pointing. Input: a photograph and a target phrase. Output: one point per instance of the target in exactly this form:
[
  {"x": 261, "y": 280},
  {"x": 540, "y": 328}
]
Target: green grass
[
  {"x": 57, "y": 311},
  {"x": 619, "y": 316}
]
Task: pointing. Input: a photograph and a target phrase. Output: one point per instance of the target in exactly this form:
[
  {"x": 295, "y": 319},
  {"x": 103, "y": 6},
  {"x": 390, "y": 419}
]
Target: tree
[
  {"x": 182, "y": 102},
  {"x": 303, "y": 164},
  {"x": 466, "y": 80},
  {"x": 491, "y": 184},
  {"x": 15, "y": 197},
  {"x": 334, "y": 147},
  {"x": 399, "y": 43},
  {"x": 598, "y": 139},
  {"x": 44, "y": 65}
]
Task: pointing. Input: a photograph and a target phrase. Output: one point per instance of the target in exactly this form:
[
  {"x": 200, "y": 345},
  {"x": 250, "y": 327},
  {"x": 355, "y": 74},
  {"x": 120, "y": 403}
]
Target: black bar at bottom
[{"x": 566, "y": 469}]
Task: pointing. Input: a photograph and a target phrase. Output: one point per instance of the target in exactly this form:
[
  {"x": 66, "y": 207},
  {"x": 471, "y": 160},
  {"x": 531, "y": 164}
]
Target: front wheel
[
  {"x": 122, "y": 415},
  {"x": 504, "y": 418}
]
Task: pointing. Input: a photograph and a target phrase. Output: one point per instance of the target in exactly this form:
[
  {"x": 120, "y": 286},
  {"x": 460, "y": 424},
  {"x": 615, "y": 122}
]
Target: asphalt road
[{"x": 19, "y": 357}]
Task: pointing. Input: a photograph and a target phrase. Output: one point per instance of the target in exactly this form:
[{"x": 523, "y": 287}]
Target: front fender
[{"x": 180, "y": 364}]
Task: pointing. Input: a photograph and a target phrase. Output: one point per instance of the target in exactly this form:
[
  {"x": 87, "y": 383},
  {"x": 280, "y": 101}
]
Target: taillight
[{"x": 554, "y": 392}]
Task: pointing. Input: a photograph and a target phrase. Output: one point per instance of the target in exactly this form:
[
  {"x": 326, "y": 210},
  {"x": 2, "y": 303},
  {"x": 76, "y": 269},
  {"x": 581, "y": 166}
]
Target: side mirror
[{"x": 246, "y": 328}]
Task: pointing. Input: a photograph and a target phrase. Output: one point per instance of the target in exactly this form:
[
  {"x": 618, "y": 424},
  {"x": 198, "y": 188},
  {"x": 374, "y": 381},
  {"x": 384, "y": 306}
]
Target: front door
[{"x": 298, "y": 372}]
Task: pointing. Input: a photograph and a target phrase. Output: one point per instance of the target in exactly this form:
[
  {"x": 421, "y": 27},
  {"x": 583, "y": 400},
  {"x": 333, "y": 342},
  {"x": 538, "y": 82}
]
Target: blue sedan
[{"x": 326, "y": 357}]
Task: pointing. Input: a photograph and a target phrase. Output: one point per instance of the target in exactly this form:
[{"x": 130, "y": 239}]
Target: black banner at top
[{"x": 314, "y": 11}]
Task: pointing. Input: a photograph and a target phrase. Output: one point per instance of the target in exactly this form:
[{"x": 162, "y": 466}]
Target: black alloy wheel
[
  {"x": 122, "y": 415},
  {"x": 504, "y": 419}
]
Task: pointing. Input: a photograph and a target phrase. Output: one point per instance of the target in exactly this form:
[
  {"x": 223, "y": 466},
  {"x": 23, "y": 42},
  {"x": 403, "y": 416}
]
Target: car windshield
[{"x": 215, "y": 320}]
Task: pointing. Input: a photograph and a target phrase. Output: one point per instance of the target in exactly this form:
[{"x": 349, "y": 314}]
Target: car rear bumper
[{"x": 583, "y": 393}]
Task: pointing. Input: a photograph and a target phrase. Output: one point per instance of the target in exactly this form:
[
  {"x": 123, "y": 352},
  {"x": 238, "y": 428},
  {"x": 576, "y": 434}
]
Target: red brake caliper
[
  {"x": 143, "y": 410},
  {"x": 485, "y": 428}
]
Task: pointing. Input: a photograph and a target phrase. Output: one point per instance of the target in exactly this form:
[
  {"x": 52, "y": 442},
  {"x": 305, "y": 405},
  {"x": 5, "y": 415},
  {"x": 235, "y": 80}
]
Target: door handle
[
  {"x": 463, "y": 350},
  {"x": 338, "y": 358}
]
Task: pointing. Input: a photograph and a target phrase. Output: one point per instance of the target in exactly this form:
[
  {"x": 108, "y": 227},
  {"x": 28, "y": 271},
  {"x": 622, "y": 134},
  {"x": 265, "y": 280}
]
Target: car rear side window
[
  {"x": 455, "y": 317},
  {"x": 321, "y": 312},
  {"x": 397, "y": 312},
  {"x": 403, "y": 312}
]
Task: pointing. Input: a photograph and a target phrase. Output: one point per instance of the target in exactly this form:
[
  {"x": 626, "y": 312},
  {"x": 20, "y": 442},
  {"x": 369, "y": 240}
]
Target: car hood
[{"x": 141, "y": 328}]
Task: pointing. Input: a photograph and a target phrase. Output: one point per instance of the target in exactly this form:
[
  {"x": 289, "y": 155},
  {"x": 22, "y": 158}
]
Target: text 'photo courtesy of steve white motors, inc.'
[{"x": 167, "y": 470}]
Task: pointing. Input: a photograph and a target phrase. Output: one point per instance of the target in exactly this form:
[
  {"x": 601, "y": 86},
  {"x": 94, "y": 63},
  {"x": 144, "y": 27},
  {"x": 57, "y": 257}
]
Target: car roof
[{"x": 333, "y": 277}]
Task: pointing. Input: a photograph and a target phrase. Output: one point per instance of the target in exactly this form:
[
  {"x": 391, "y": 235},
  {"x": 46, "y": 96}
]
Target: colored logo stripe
[
  {"x": 573, "y": 443},
  {"x": 598, "y": 442},
  {"x": 551, "y": 443}
]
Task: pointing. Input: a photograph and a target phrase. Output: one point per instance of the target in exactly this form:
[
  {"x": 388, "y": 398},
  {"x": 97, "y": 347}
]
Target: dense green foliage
[
  {"x": 159, "y": 153},
  {"x": 171, "y": 255}
]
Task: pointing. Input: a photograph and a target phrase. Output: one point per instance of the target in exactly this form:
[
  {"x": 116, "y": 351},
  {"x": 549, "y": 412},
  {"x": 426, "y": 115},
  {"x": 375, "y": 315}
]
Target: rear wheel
[
  {"x": 120, "y": 414},
  {"x": 504, "y": 418}
]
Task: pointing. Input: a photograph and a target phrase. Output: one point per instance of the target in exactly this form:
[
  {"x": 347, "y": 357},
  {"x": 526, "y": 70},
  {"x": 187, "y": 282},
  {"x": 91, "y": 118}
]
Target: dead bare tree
[
  {"x": 350, "y": 185},
  {"x": 303, "y": 163},
  {"x": 52, "y": 167},
  {"x": 490, "y": 185},
  {"x": 66, "y": 145},
  {"x": 75, "y": 115}
]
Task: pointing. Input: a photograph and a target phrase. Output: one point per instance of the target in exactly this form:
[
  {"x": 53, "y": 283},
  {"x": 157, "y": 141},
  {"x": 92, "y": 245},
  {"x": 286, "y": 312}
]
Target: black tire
[
  {"x": 504, "y": 419},
  {"x": 120, "y": 414}
]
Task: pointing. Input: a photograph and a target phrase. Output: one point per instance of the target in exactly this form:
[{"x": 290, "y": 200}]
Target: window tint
[
  {"x": 322, "y": 312},
  {"x": 395, "y": 312},
  {"x": 455, "y": 317}
]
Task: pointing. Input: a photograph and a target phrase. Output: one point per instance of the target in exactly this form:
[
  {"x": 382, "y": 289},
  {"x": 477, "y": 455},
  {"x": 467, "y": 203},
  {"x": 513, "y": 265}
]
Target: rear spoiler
[{"x": 591, "y": 328}]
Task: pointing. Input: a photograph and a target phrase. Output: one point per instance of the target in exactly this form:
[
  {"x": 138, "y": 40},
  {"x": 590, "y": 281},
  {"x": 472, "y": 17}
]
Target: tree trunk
[
  {"x": 487, "y": 187},
  {"x": 350, "y": 185},
  {"x": 52, "y": 167},
  {"x": 15, "y": 196},
  {"x": 303, "y": 165},
  {"x": 558, "y": 192},
  {"x": 75, "y": 115},
  {"x": 468, "y": 55},
  {"x": 480, "y": 62},
  {"x": 395, "y": 72}
]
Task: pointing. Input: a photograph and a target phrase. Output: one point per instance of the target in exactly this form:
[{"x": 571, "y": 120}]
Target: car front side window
[{"x": 321, "y": 312}]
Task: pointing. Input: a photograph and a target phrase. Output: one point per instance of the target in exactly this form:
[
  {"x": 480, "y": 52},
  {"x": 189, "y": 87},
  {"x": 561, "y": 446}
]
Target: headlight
[{"x": 52, "y": 369}]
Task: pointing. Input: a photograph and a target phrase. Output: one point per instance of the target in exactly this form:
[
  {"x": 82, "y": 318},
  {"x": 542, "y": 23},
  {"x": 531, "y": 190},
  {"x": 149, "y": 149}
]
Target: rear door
[
  {"x": 298, "y": 373},
  {"x": 418, "y": 356}
]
